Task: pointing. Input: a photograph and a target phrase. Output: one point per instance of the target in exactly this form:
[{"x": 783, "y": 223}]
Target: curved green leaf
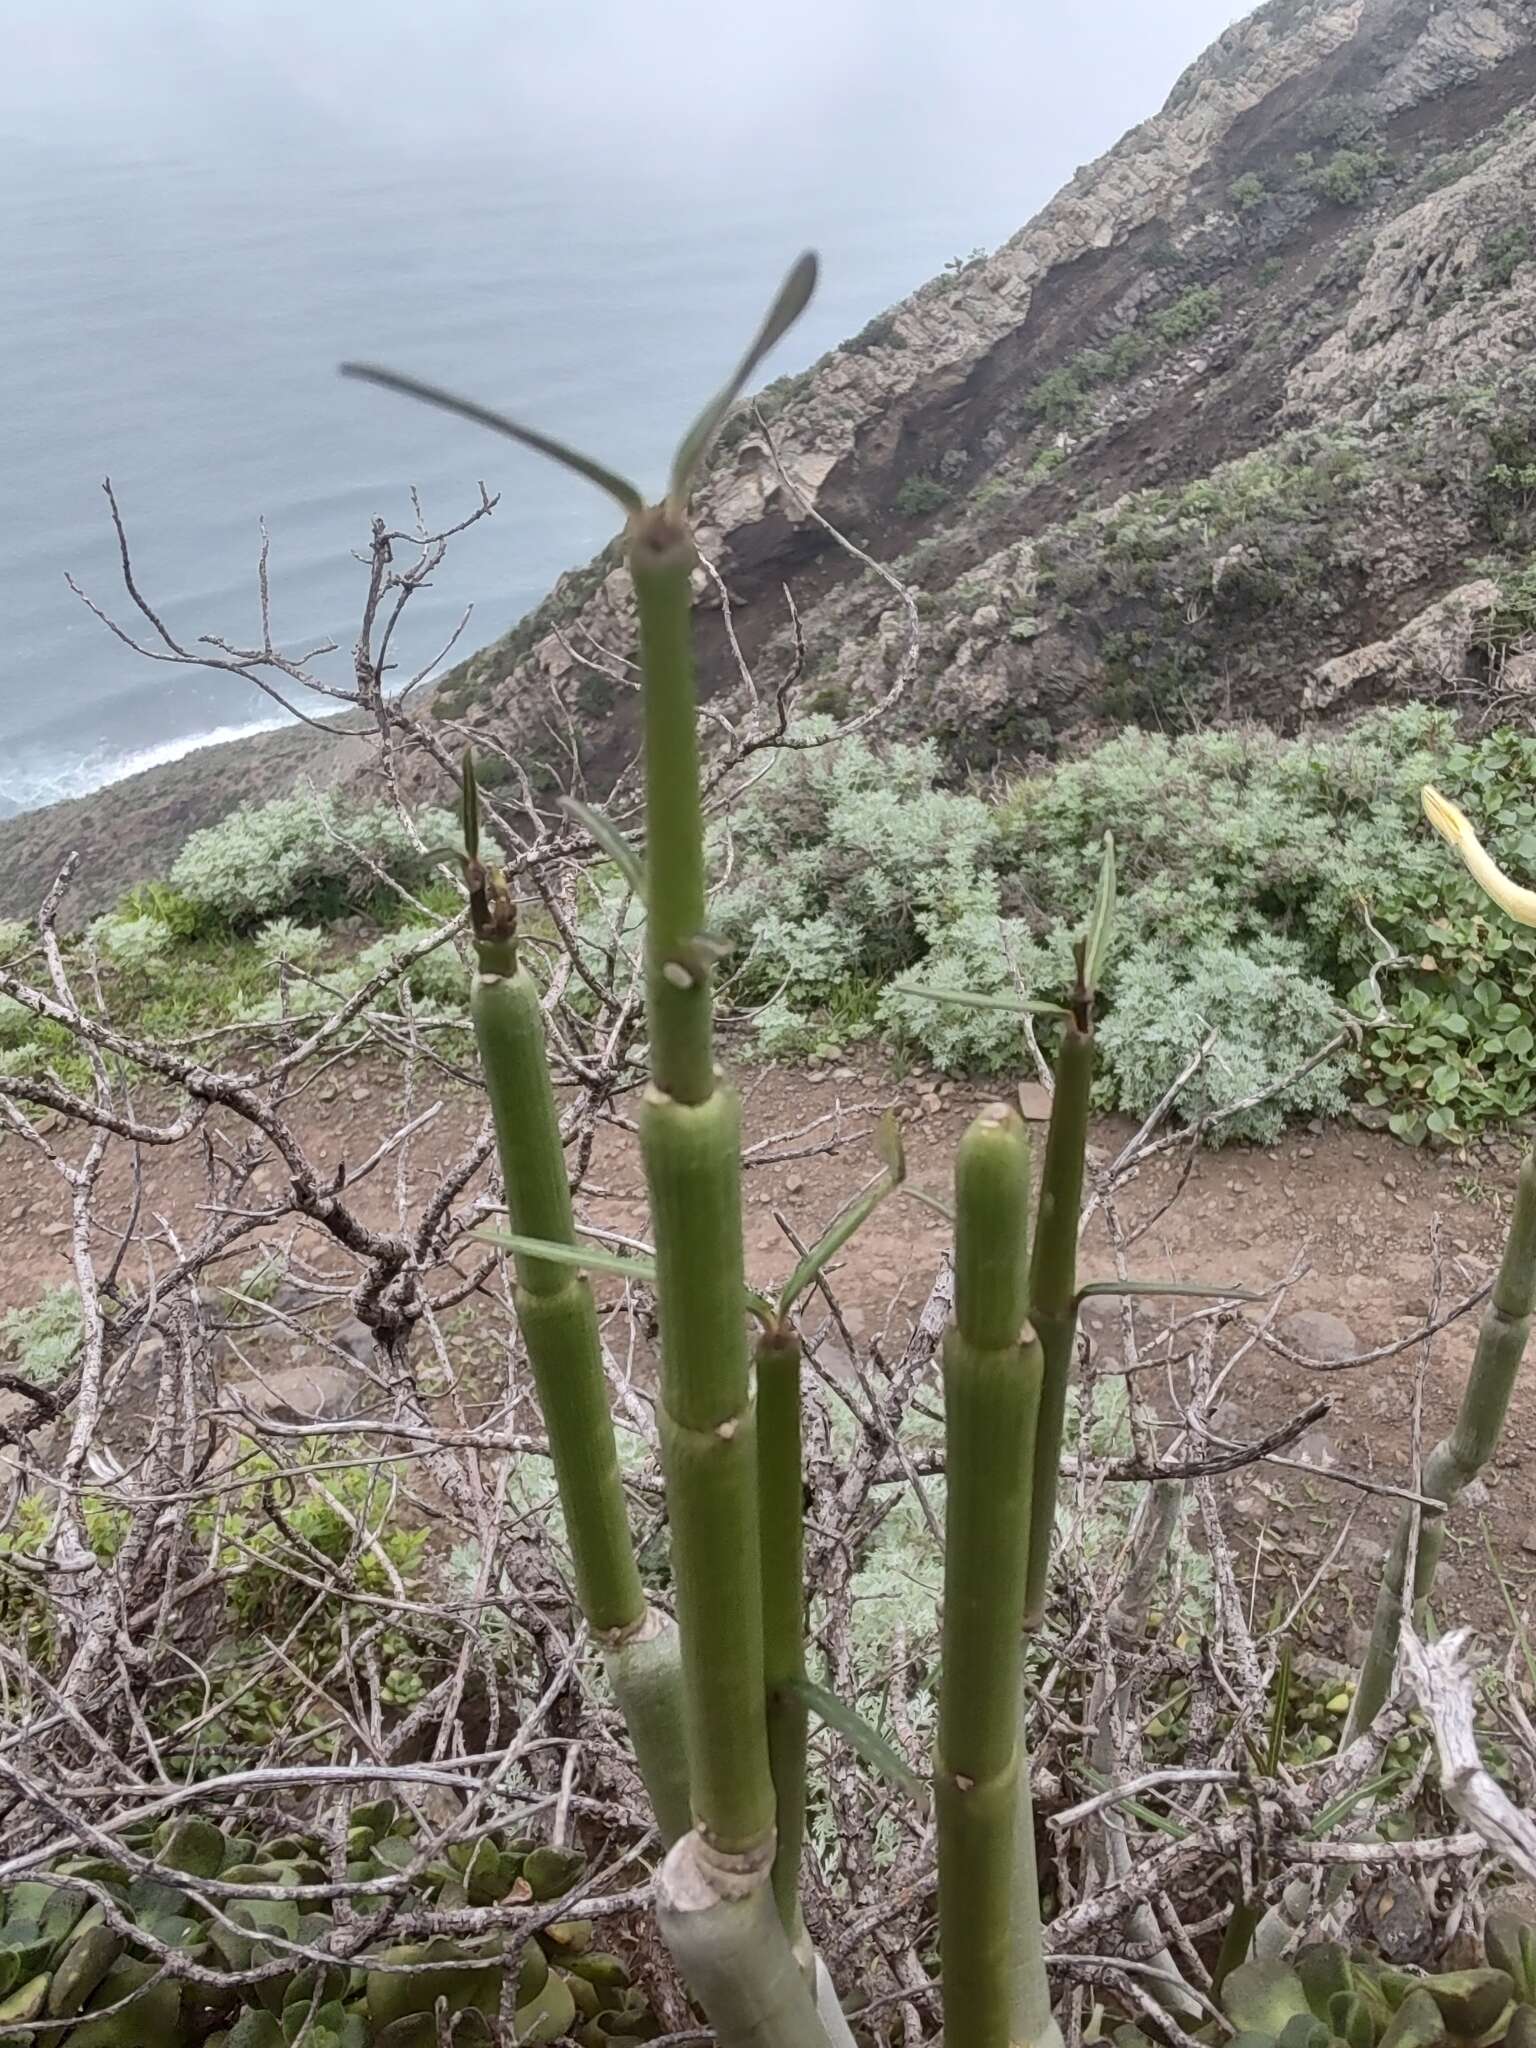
[
  {"x": 865, "y": 1742},
  {"x": 542, "y": 444},
  {"x": 791, "y": 301}
]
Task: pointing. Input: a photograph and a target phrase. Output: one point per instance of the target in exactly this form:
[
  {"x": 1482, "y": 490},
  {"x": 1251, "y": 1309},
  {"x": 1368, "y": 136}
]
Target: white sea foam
[{"x": 27, "y": 787}]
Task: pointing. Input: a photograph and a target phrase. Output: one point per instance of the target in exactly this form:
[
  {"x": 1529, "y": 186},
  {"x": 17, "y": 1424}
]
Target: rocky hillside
[{"x": 1243, "y": 422}]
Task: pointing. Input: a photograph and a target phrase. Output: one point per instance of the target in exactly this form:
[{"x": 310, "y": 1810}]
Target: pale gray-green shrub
[
  {"x": 285, "y": 941},
  {"x": 132, "y": 942},
  {"x": 269, "y": 859},
  {"x": 1269, "y": 1016},
  {"x": 981, "y": 951}
]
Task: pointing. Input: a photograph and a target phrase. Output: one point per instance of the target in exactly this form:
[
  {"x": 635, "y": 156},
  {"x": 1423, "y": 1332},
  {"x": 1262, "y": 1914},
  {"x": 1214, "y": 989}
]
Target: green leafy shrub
[
  {"x": 132, "y": 942},
  {"x": 1247, "y": 192},
  {"x": 1190, "y": 314},
  {"x": 42, "y": 1342},
  {"x": 1512, "y": 621},
  {"x": 1058, "y": 398},
  {"x": 1503, "y": 255},
  {"x": 1248, "y": 866},
  {"x": 1327, "y": 1997},
  {"x": 846, "y": 856},
  {"x": 1349, "y": 176},
  {"x": 881, "y": 332},
  {"x": 920, "y": 495}
]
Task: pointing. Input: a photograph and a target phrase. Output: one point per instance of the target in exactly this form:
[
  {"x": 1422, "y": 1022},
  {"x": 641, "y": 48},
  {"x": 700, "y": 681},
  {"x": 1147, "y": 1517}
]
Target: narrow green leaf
[
  {"x": 466, "y": 408},
  {"x": 1160, "y": 1821},
  {"x": 610, "y": 839},
  {"x": 863, "y": 1740},
  {"x": 853, "y": 1218},
  {"x": 1276, "y": 1747},
  {"x": 1165, "y": 1287},
  {"x": 793, "y": 297},
  {"x": 588, "y": 1258},
  {"x": 1330, "y": 1816},
  {"x": 830, "y": 1244},
  {"x": 974, "y": 999},
  {"x": 1236, "y": 1941},
  {"x": 470, "y": 806},
  {"x": 888, "y": 1145},
  {"x": 1101, "y": 923}
]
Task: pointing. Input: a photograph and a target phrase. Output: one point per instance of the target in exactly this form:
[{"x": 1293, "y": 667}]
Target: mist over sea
[{"x": 575, "y": 212}]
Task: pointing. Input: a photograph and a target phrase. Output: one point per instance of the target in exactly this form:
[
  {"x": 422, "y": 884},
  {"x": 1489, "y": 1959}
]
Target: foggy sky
[{"x": 718, "y": 89}]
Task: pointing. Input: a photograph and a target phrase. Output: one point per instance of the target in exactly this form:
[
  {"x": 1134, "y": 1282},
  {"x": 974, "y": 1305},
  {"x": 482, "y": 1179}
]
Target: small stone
[
  {"x": 1315, "y": 1126},
  {"x": 1389, "y": 1180},
  {"x": 18, "y": 1212},
  {"x": 1306, "y": 1152},
  {"x": 986, "y": 618},
  {"x": 1316, "y": 1334},
  {"x": 1034, "y": 1101},
  {"x": 794, "y": 1183},
  {"x": 355, "y": 1336},
  {"x": 361, "y": 1094},
  {"x": 312, "y": 1392},
  {"x": 326, "y": 1094},
  {"x": 844, "y": 1074},
  {"x": 57, "y": 1230}
]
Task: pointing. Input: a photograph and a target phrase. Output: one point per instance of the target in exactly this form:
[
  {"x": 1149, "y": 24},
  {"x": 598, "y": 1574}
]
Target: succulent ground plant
[
  {"x": 1328, "y": 1997},
  {"x": 62, "y": 1959}
]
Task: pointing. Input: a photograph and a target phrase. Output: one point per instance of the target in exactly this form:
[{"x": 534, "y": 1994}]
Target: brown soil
[{"x": 1353, "y": 1215}]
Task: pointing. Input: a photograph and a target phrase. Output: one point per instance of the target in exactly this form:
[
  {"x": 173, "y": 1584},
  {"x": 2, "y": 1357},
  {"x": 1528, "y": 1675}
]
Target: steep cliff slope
[{"x": 1244, "y": 420}]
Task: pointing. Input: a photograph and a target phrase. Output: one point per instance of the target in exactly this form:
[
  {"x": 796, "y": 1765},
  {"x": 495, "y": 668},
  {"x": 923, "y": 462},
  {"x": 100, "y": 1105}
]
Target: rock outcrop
[{"x": 1212, "y": 434}]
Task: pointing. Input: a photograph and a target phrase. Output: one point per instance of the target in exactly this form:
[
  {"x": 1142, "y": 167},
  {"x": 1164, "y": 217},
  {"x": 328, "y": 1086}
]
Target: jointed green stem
[
  {"x": 558, "y": 1319},
  {"x": 1456, "y": 1461},
  {"x": 662, "y": 559},
  {"x": 992, "y": 1371},
  {"x": 554, "y": 1304},
  {"x": 691, "y": 1138},
  {"x": 781, "y": 1528},
  {"x": 1053, "y": 1289}
]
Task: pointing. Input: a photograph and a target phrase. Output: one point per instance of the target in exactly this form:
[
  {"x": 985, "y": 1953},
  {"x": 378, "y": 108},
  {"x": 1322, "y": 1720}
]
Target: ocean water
[{"x": 574, "y": 212}]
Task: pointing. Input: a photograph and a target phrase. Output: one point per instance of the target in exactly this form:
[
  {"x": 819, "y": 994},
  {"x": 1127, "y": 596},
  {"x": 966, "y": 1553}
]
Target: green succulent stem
[
  {"x": 662, "y": 559},
  {"x": 992, "y": 1373},
  {"x": 1458, "y": 1458},
  {"x": 558, "y": 1319},
  {"x": 554, "y": 1303},
  {"x": 690, "y": 1136},
  {"x": 1053, "y": 1288},
  {"x": 644, "y": 1667},
  {"x": 720, "y": 1922},
  {"x": 781, "y": 1542}
]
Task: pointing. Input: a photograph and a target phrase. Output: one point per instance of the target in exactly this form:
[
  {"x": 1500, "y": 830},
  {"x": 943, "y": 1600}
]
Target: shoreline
[
  {"x": 123, "y": 767},
  {"x": 130, "y": 830}
]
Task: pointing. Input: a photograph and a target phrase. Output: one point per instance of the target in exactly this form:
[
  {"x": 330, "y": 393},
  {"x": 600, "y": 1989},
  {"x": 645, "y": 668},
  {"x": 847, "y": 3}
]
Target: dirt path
[{"x": 1354, "y": 1215}]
